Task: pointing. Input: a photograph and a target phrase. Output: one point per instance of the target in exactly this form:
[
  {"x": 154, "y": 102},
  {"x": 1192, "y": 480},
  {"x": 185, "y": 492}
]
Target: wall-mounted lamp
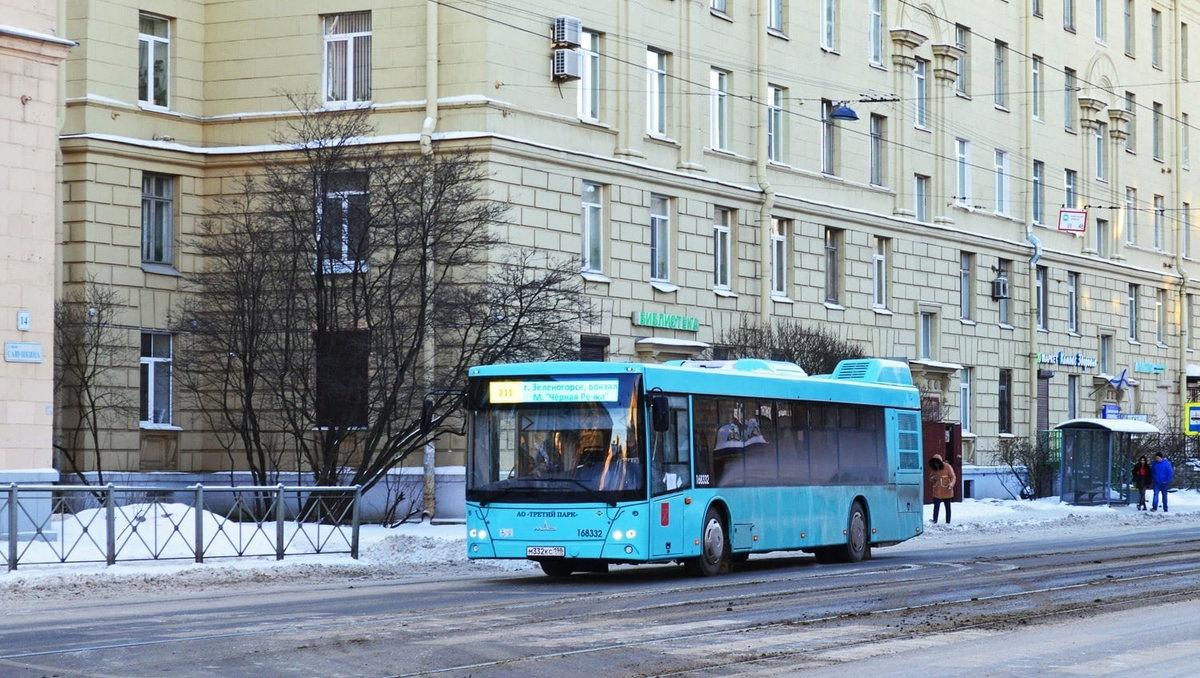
[{"x": 843, "y": 112}]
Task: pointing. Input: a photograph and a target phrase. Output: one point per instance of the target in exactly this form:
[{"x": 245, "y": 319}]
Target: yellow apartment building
[{"x": 1009, "y": 212}]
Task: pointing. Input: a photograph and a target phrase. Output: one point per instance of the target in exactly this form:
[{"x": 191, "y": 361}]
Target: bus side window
[
  {"x": 704, "y": 438},
  {"x": 670, "y": 451}
]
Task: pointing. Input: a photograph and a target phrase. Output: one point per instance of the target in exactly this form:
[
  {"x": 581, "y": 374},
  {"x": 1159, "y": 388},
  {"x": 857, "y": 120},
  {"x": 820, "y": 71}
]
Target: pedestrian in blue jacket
[{"x": 1163, "y": 473}]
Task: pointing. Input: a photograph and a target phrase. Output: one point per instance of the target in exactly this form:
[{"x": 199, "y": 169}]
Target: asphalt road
[{"x": 1110, "y": 604}]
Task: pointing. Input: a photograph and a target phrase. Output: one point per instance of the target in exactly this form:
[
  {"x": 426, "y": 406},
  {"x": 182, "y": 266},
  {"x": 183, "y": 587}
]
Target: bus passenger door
[{"x": 670, "y": 478}]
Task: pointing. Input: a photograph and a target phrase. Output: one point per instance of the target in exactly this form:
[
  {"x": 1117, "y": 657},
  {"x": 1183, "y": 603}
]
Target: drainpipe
[
  {"x": 1185, "y": 331},
  {"x": 429, "y": 459},
  {"x": 760, "y": 169},
  {"x": 1034, "y": 300}
]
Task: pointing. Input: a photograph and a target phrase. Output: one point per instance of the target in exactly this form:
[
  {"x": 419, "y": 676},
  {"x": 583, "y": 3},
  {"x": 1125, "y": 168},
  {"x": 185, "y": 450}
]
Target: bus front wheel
[
  {"x": 858, "y": 545},
  {"x": 714, "y": 548}
]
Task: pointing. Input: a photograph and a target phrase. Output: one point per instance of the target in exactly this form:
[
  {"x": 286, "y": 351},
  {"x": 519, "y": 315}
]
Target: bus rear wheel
[
  {"x": 714, "y": 548},
  {"x": 556, "y": 568}
]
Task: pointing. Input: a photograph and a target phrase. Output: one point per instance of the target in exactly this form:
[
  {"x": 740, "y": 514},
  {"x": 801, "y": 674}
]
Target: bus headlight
[
  {"x": 630, "y": 534},
  {"x": 483, "y": 534},
  {"x": 473, "y": 533},
  {"x": 617, "y": 535}
]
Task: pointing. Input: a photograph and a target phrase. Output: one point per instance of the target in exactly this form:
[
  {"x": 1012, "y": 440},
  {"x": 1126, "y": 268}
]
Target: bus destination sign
[{"x": 579, "y": 391}]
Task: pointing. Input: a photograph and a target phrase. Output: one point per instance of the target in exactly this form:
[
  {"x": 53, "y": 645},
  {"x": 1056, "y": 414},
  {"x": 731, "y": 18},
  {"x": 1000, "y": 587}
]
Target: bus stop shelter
[{"x": 1097, "y": 459}]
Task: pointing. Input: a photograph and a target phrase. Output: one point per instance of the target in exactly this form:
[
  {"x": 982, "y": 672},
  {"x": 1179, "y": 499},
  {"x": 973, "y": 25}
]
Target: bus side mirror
[{"x": 660, "y": 413}]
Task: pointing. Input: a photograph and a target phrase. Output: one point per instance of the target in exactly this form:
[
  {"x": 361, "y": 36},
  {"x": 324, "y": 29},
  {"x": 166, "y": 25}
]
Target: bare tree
[
  {"x": 346, "y": 284},
  {"x": 89, "y": 354},
  {"x": 1031, "y": 466},
  {"x": 815, "y": 349}
]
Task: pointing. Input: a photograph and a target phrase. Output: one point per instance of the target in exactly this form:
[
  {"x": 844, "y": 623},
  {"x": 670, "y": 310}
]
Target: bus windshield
[{"x": 556, "y": 440}]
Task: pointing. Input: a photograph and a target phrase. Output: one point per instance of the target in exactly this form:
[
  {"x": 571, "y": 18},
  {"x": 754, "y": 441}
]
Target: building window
[
  {"x": 1158, "y": 223},
  {"x": 1185, "y": 141},
  {"x": 1072, "y": 396},
  {"x": 718, "y": 84},
  {"x": 775, "y": 122},
  {"x": 1160, "y": 317},
  {"x": 348, "y": 57},
  {"x": 1000, "y": 79},
  {"x": 158, "y": 217},
  {"x": 1039, "y": 192},
  {"x": 1130, "y": 125},
  {"x": 921, "y": 75},
  {"x": 1101, "y": 21},
  {"x": 1001, "y": 183},
  {"x": 879, "y": 258},
  {"x": 660, "y": 238},
  {"x": 775, "y": 15},
  {"x": 593, "y": 227},
  {"x": 921, "y": 197},
  {"x": 722, "y": 248},
  {"x": 589, "y": 81},
  {"x": 828, "y": 138},
  {"x": 154, "y": 60},
  {"x": 342, "y": 358},
  {"x": 1188, "y": 322},
  {"x": 1131, "y": 210},
  {"x": 1103, "y": 238},
  {"x": 779, "y": 257},
  {"x": 875, "y": 32},
  {"x": 656, "y": 93},
  {"x": 927, "y": 339},
  {"x": 592, "y": 347},
  {"x": 1042, "y": 295},
  {"x": 1155, "y": 38},
  {"x": 962, "y": 38},
  {"x": 833, "y": 253},
  {"x": 343, "y": 218},
  {"x": 1129, "y": 27},
  {"x": 1158, "y": 131},
  {"x": 829, "y": 25},
  {"x": 878, "y": 132},
  {"x": 1003, "y": 267},
  {"x": 1106, "y": 354},
  {"x": 1132, "y": 308},
  {"x": 964, "y": 399},
  {"x": 1102, "y": 151},
  {"x": 1185, "y": 216},
  {"x": 1069, "y": 15},
  {"x": 1183, "y": 51},
  {"x": 1070, "y": 196},
  {"x": 1037, "y": 8},
  {"x": 1039, "y": 89},
  {"x": 962, "y": 173},
  {"x": 1004, "y": 391},
  {"x": 1070, "y": 94},
  {"x": 717, "y": 5},
  {"x": 1072, "y": 302},
  {"x": 966, "y": 262},
  {"x": 156, "y": 379}
]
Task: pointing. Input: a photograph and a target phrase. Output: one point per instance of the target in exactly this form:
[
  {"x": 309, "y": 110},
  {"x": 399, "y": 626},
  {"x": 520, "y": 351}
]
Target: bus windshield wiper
[{"x": 595, "y": 493}]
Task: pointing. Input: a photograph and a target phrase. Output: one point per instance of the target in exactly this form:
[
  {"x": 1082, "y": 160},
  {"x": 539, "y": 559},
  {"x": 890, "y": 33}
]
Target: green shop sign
[{"x": 666, "y": 321}]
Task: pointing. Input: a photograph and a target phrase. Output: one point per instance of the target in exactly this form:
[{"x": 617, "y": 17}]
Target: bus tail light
[{"x": 664, "y": 511}]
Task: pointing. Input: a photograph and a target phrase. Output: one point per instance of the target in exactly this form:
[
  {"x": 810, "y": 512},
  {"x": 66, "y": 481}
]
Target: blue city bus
[{"x": 579, "y": 465}]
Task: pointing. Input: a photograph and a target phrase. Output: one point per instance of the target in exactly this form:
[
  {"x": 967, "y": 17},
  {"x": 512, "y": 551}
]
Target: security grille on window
[
  {"x": 343, "y": 220},
  {"x": 342, "y": 358},
  {"x": 154, "y": 59},
  {"x": 155, "y": 379},
  {"x": 592, "y": 348},
  {"x": 158, "y": 211},
  {"x": 348, "y": 57}
]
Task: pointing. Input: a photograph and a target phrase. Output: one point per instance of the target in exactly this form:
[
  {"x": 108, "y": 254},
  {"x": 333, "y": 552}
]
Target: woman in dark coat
[{"x": 1142, "y": 480}]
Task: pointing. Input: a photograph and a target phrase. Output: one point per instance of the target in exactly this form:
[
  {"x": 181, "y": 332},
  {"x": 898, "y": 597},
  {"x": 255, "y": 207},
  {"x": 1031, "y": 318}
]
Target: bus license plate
[{"x": 531, "y": 551}]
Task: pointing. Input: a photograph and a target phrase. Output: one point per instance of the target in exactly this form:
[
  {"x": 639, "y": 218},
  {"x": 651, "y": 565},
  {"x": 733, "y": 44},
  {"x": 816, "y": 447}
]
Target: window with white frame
[
  {"x": 921, "y": 197},
  {"x": 1039, "y": 88},
  {"x": 1188, "y": 321},
  {"x": 589, "y": 81},
  {"x": 1042, "y": 296},
  {"x": 833, "y": 265},
  {"x": 828, "y": 138},
  {"x": 875, "y": 32},
  {"x": 1004, "y": 393},
  {"x": 962, "y": 39},
  {"x": 779, "y": 257},
  {"x": 656, "y": 92},
  {"x": 592, "y": 198},
  {"x": 928, "y": 341},
  {"x": 342, "y": 223},
  {"x": 1037, "y": 8},
  {"x": 1101, "y": 139},
  {"x": 921, "y": 96},
  {"x": 1130, "y": 124},
  {"x": 966, "y": 262},
  {"x": 962, "y": 173},
  {"x": 156, "y": 379},
  {"x": 1159, "y": 216},
  {"x": 775, "y": 15},
  {"x": 1069, "y": 15},
  {"x": 722, "y": 248},
  {"x": 347, "y": 57},
  {"x": 1103, "y": 238},
  {"x": 1105, "y": 359},
  {"x": 660, "y": 238},
  {"x": 1070, "y": 97},
  {"x": 1101, "y": 17},
  {"x": 1183, "y": 51},
  {"x": 1185, "y": 141},
  {"x": 1000, "y": 74},
  {"x": 1072, "y": 302},
  {"x": 1003, "y": 267},
  {"x": 1160, "y": 317},
  {"x": 718, "y": 5},
  {"x": 1072, "y": 396},
  {"x": 1158, "y": 130},
  {"x": 775, "y": 123},
  {"x": 154, "y": 60},
  {"x": 879, "y": 259},
  {"x": 829, "y": 24},
  {"x": 1001, "y": 182},
  {"x": 1131, "y": 211},
  {"x": 964, "y": 399},
  {"x": 1185, "y": 217},
  {"x": 158, "y": 217},
  {"x": 877, "y": 141},
  {"x": 1155, "y": 38},
  {"x": 718, "y": 86},
  {"x": 1131, "y": 306},
  {"x": 1130, "y": 31},
  {"x": 1039, "y": 192},
  {"x": 1070, "y": 195}
]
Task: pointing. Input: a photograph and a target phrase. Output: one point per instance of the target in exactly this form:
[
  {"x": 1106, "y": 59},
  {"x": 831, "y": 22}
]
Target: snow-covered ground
[{"x": 424, "y": 550}]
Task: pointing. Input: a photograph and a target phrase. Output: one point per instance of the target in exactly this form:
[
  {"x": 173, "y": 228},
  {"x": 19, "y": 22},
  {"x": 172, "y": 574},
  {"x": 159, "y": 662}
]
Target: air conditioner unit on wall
[
  {"x": 567, "y": 31},
  {"x": 567, "y": 65},
  {"x": 1000, "y": 288}
]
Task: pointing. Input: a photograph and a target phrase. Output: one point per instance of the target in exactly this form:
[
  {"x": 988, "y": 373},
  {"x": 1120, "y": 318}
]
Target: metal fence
[{"x": 56, "y": 524}]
